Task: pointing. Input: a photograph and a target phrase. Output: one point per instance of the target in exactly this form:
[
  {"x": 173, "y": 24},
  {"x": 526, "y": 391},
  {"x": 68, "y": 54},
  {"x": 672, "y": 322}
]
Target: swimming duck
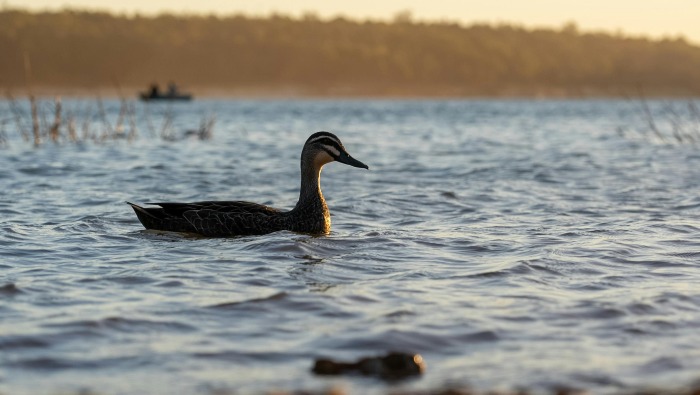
[{"x": 236, "y": 218}]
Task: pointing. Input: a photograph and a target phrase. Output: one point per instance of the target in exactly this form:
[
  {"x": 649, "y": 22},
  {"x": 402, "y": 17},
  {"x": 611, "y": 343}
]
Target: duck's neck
[
  {"x": 310, "y": 192},
  {"x": 311, "y": 211}
]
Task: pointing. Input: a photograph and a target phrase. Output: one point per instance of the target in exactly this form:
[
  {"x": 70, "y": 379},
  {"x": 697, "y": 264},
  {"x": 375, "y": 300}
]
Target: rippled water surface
[{"x": 511, "y": 243}]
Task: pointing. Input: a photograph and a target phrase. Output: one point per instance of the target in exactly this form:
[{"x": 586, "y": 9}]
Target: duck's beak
[{"x": 344, "y": 157}]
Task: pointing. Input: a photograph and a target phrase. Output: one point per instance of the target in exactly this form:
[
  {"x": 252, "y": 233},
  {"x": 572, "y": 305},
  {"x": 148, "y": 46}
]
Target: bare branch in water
[
  {"x": 694, "y": 118},
  {"x": 206, "y": 127},
  {"x": 70, "y": 125},
  {"x": 3, "y": 135},
  {"x": 35, "y": 120},
  {"x": 165, "y": 132},
  {"x": 132, "y": 122},
  {"x": 87, "y": 133},
  {"x": 108, "y": 130},
  {"x": 54, "y": 132},
  {"x": 149, "y": 121},
  {"x": 123, "y": 110},
  {"x": 676, "y": 126},
  {"x": 18, "y": 116},
  {"x": 650, "y": 120}
]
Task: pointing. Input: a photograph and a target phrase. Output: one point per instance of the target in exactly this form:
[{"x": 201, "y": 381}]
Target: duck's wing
[
  {"x": 210, "y": 218},
  {"x": 178, "y": 209}
]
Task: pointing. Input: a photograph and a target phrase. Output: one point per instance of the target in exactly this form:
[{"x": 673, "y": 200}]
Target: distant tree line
[{"x": 93, "y": 49}]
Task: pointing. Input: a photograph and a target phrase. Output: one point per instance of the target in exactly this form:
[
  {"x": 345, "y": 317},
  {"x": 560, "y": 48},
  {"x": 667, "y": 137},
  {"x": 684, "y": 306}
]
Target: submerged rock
[
  {"x": 392, "y": 366},
  {"x": 9, "y": 289}
]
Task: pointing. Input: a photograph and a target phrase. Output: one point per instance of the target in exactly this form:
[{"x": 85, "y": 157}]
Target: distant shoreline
[{"x": 77, "y": 52}]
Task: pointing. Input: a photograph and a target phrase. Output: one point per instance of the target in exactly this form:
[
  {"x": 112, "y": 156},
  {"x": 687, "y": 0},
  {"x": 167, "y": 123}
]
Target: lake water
[{"x": 512, "y": 243}]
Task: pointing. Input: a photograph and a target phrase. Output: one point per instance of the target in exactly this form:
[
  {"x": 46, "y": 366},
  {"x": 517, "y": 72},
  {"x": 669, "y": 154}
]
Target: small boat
[{"x": 172, "y": 93}]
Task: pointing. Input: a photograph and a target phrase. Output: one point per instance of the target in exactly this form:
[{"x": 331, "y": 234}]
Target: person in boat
[
  {"x": 154, "y": 91},
  {"x": 172, "y": 89}
]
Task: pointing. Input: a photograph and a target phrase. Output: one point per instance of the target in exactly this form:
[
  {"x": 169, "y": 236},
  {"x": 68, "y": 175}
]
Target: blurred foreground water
[{"x": 511, "y": 243}]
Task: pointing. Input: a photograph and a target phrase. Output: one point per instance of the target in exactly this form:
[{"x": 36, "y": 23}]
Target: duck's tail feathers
[
  {"x": 140, "y": 210},
  {"x": 147, "y": 216}
]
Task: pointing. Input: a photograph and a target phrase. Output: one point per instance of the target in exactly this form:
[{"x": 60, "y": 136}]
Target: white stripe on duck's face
[
  {"x": 334, "y": 151},
  {"x": 322, "y": 157}
]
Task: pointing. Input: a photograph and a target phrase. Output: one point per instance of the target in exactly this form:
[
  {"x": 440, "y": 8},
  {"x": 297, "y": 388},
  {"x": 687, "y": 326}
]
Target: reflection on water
[{"x": 511, "y": 243}]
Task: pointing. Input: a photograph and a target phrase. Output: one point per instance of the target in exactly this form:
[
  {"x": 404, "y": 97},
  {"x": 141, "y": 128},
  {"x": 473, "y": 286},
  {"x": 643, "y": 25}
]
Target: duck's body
[{"x": 236, "y": 218}]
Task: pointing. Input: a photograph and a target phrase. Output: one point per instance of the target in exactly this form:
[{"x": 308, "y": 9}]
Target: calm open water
[{"x": 511, "y": 243}]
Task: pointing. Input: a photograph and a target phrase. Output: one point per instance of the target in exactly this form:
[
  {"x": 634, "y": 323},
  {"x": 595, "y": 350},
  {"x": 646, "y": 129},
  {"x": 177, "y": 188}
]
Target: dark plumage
[{"x": 236, "y": 218}]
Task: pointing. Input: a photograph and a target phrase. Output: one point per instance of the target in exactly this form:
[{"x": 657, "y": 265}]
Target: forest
[{"x": 339, "y": 56}]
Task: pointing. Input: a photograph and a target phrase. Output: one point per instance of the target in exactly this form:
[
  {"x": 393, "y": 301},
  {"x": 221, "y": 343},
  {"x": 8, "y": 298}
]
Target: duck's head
[{"x": 324, "y": 147}]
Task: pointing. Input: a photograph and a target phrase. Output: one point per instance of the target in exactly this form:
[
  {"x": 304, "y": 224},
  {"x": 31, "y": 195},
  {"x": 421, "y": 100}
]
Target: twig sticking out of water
[
  {"x": 149, "y": 122},
  {"x": 35, "y": 120},
  {"x": 694, "y": 118},
  {"x": 650, "y": 120},
  {"x": 165, "y": 131},
  {"x": 3, "y": 135},
  {"x": 678, "y": 123},
  {"x": 70, "y": 125},
  {"x": 119, "y": 126},
  {"x": 205, "y": 130},
  {"x": 132, "y": 122},
  {"x": 54, "y": 132},
  {"x": 87, "y": 133},
  {"x": 17, "y": 116},
  {"x": 32, "y": 99},
  {"x": 123, "y": 111},
  {"x": 108, "y": 130}
]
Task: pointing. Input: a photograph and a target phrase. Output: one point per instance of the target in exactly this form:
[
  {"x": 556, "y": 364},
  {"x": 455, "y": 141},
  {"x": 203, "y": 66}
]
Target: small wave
[
  {"x": 17, "y": 342},
  {"x": 271, "y": 298},
  {"x": 122, "y": 324},
  {"x": 599, "y": 379},
  {"x": 84, "y": 225},
  {"x": 400, "y": 314},
  {"x": 283, "y": 301},
  {"x": 478, "y": 337},
  {"x": 684, "y": 207},
  {"x": 686, "y": 255},
  {"x": 171, "y": 284},
  {"x": 641, "y": 308},
  {"x": 129, "y": 280},
  {"x": 663, "y": 364},
  {"x": 50, "y": 363},
  {"x": 272, "y": 244},
  {"x": 238, "y": 356},
  {"x": 51, "y": 169},
  {"x": 423, "y": 341}
]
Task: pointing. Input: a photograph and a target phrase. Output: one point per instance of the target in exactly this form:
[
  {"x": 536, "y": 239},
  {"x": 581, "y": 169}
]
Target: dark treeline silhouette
[{"x": 339, "y": 56}]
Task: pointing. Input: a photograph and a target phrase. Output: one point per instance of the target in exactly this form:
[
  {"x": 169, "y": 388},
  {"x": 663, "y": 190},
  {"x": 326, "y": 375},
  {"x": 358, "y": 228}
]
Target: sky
[{"x": 653, "y": 18}]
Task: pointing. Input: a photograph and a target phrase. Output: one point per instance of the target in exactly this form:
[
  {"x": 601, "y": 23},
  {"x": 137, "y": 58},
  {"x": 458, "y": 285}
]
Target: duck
[{"x": 240, "y": 218}]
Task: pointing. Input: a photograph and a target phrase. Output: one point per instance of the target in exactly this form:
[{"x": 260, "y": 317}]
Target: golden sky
[{"x": 655, "y": 18}]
